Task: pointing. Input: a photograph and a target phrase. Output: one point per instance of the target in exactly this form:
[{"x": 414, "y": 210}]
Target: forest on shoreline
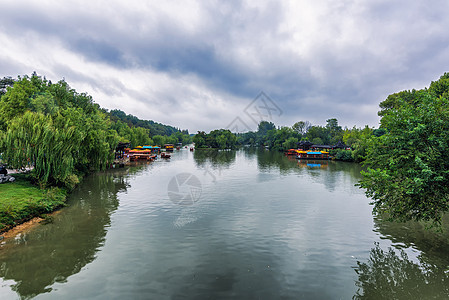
[{"x": 64, "y": 135}]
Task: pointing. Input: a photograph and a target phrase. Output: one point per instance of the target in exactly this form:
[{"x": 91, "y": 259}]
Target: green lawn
[{"x": 21, "y": 201}]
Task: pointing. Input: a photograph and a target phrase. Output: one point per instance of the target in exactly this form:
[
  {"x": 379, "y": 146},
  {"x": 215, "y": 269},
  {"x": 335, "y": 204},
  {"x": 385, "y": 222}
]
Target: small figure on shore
[
  {"x": 3, "y": 170},
  {"x": 4, "y": 177}
]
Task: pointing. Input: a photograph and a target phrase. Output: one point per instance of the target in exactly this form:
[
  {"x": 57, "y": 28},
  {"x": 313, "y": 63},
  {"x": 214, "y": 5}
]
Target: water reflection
[
  {"x": 330, "y": 173},
  {"x": 313, "y": 164},
  {"x": 433, "y": 244},
  {"x": 51, "y": 253},
  {"x": 233, "y": 274},
  {"x": 272, "y": 160},
  {"x": 387, "y": 275},
  {"x": 214, "y": 158},
  {"x": 270, "y": 227}
]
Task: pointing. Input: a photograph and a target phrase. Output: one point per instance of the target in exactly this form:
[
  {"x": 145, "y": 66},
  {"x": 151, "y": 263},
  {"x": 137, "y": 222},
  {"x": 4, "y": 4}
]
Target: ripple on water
[{"x": 263, "y": 227}]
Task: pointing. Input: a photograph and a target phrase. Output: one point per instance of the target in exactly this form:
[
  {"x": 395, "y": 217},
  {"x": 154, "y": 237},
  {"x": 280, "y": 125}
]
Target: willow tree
[
  {"x": 33, "y": 140},
  {"x": 96, "y": 149}
]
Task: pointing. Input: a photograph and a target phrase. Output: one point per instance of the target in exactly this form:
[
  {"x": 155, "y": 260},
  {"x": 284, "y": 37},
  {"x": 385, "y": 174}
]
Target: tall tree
[
  {"x": 264, "y": 127},
  {"x": 335, "y": 131},
  {"x": 408, "y": 174},
  {"x": 302, "y": 127},
  {"x": 5, "y": 82},
  {"x": 16, "y": 100}
]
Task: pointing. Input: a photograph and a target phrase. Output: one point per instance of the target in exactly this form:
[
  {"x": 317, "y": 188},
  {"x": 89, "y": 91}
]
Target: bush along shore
[{"x": 21, "y": 201}]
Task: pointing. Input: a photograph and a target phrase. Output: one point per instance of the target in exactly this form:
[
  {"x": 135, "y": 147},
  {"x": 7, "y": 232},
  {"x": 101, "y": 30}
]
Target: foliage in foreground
[
  {"x": 408, "y": 174},
  {"x": 54, "y": 129},
  {"x": 21, "y": 201}
]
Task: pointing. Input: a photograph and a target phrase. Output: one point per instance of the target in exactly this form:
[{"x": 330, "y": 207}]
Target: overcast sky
[{"x": 201, "y": 65}]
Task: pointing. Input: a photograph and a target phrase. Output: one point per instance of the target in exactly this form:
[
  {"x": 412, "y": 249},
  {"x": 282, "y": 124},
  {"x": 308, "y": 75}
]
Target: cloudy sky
[{"x": 202, "y": 64}]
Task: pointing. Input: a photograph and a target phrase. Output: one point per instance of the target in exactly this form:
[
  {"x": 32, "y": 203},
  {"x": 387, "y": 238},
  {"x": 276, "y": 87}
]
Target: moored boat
[
  {"x": 292, "y": 152},
  {"x": 169, "y": 147},
  {"x": 139, "y": 153},
  {"x": 312, "y": 154}
]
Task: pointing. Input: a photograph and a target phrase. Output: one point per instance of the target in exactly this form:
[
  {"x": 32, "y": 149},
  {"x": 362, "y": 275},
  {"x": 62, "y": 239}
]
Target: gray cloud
[{"x": 316, "y": 61}]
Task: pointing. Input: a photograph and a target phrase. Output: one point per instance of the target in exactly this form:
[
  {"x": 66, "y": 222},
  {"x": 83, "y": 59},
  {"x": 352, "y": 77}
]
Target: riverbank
[
  {"x": 25, "y": 227},
  {"x": 21, "y": 201}
]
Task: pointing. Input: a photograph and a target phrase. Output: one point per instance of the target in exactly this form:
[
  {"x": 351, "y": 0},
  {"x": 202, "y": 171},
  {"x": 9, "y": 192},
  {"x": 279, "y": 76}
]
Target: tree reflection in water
[
  {"x": 213, "y": 160},
  {"x": 387, "y": 275},
  {"x": 51, "y": 253}
]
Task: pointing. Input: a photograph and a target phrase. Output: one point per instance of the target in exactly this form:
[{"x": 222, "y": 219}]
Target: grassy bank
[{"x": 20, "y": 201}]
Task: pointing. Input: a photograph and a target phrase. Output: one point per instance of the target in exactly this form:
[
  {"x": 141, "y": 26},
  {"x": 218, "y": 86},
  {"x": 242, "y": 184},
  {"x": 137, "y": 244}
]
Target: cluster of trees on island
[
  {"x": 284, "y": 138},
  {"x": 64, "y": 134}
]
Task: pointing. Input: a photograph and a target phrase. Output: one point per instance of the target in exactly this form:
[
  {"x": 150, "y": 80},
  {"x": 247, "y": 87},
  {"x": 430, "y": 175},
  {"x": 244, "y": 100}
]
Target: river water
[{"x": 247, "y": 224}]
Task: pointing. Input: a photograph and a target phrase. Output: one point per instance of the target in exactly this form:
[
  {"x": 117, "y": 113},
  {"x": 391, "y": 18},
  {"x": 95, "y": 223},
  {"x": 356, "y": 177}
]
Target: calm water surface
[{"x": 248, "y": 224}]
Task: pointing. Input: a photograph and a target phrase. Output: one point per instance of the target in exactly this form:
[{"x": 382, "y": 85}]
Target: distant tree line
[
  {"x": 284, "y": 138},
  {"x": 219, "y": 139},
  {"x": 154, "y": 128}
]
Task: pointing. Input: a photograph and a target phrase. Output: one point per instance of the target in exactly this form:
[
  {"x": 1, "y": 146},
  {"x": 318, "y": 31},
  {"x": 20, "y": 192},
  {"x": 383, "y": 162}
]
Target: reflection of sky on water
[
  {"x": 51, "y": 253},
  {"x": 266, "y": 228},
  {"x": 327, "y": 172}
]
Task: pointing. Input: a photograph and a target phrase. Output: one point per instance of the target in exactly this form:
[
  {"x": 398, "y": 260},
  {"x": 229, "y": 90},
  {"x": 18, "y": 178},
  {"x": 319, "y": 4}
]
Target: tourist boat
[
  {"x": 168, "y": 147},
  {"x": 312, "y": 154},
  {"x": 139, "y": 153},
  {"x": 165, "y": 155},
  {"x": 292, "y": 152},
  {"x": 191, "y": 149},
  {"x": 153, "y": 149}
]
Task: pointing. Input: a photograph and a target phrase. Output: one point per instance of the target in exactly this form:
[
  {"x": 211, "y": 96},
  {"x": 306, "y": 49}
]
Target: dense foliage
[
  {"x": 4, "y": 84},
  {"x": 284, "y": 138},
  {"x": 408, "y": 174},
  {"x": 63, "y": 134},
  {"x": 55, "y": 130}
]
